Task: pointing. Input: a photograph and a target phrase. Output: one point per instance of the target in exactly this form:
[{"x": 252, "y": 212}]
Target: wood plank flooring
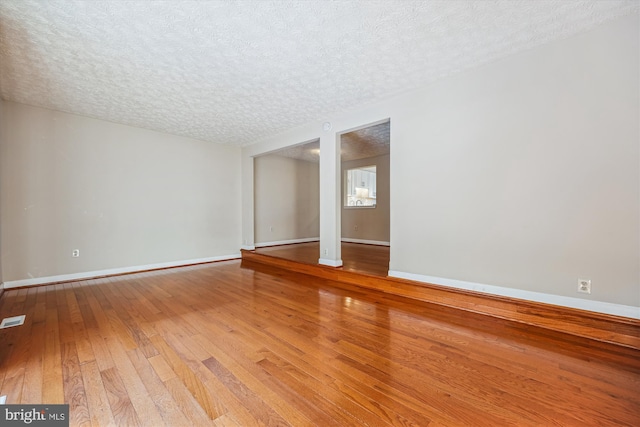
[
  {"x": 367, "y": 259},
  {"x": 222, "y": 345},
  {"x": 601, "y": 327}
]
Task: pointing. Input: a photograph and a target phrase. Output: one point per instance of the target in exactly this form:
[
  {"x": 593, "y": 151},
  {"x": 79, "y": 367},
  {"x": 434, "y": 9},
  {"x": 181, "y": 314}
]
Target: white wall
[
  {"x": 123, "y": 196},
  {"x": 528, "y": 169},
  {"x": 287, "y": 199},
  {"x": 2, "y": 125},
  {"x": 372, "y": 223}
]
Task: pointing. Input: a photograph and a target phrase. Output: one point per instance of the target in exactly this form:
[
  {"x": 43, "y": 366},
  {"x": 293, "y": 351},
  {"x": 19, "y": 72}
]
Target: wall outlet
[
  {"x": 271, "y": 228},
  {"x": 75, "y": 253},
  {"x": 355, "y": 227},
  {"x": 325, "y": 252},
  {"x": 584, "y": 286}
]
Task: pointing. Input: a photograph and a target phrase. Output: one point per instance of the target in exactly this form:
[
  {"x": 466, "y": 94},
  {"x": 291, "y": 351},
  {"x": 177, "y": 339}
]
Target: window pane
[{"x": 361, "y": 187}]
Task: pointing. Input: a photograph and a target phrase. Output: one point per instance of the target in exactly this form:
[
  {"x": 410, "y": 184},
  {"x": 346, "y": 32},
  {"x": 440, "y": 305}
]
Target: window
[{"x": 361, "y": 187}]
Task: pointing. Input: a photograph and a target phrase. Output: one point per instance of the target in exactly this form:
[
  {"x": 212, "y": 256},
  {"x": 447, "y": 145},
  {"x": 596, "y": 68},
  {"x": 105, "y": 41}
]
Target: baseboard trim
[
  {"x": 580, "y": 304},
  {"x": 366, "y": 242},
  {"x": 330, "y": 262},
  {"x": 37, "y": 281},
  {"x": 286, "y": 242}
]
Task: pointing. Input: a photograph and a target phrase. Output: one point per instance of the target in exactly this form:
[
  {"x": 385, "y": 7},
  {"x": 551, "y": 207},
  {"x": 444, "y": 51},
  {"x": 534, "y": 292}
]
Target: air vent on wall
[{"x": 8, "y": 322}]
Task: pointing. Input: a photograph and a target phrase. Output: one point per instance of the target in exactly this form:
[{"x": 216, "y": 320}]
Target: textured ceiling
[
  {"x": 235, "y": 72},
  {"x": 364, "y": 143},
  {"x": 309, "y": 152},
  {"x": 360, "y": 144}
]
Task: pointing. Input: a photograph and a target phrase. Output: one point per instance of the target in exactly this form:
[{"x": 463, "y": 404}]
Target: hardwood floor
[
  {"x": 604, "y": 328},
  {"x": 367, "y": 259},
  {"x": 222, "y": 345}
]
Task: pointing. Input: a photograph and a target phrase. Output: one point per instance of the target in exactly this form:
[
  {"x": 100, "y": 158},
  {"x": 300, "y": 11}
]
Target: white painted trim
[
  {"x": 287, "y": 242},
  {"x": 330, "y": 262},
  {"x": 248, "y": 247},
  {"x": 3, "y": 400},
  {"x": 113, "y": 271},
  {"x": 366, "y": 242},
  {"x": 596, "y": 306}
]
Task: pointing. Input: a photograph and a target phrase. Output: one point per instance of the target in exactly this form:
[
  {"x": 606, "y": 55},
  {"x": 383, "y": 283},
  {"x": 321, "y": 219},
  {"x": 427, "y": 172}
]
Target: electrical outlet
[
  {"x": 584, "y": 286},
  {"x": 75, "y": 253},
  {"x": 355, "y": 227},
  {"x": 326, "y": 252},
  {"x": 271, "y": 228}
]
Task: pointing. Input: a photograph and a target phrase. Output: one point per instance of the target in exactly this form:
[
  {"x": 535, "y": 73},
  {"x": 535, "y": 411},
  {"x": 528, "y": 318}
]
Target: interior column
[
  {"x": 330, "y": 194},
  {"x": 247, "y": 203}
]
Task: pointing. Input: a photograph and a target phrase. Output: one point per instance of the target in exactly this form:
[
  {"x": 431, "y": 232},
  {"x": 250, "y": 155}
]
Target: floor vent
[{"x": 8, "y": 322}]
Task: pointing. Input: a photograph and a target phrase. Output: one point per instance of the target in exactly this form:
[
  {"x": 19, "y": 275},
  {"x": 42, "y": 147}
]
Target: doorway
[
  {"x": 365, "y": 156},
  {"x": 287, "y": 196}
]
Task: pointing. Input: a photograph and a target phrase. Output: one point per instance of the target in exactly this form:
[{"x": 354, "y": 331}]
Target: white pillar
[
  {"x": 247, "y": 203},
  {"x": 330, "y": 194}
]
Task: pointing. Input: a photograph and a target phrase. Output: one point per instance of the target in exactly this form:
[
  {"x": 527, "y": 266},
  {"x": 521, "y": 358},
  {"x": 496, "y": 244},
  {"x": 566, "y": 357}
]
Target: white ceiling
[
  {"x": 235, "y": 72},
  {"x": 363, "y": 143}
]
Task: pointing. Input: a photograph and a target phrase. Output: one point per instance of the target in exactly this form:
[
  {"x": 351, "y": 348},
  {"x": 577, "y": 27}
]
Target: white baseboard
[
  {"x": 113, "y": 271},
  {"x": 330, "y": 262},
  {"x": 365, "y": 242},
  {"x": 248, "y": 247},
  {"x": 287, "y": 242},
  {"x": 596, "y": 306}
]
